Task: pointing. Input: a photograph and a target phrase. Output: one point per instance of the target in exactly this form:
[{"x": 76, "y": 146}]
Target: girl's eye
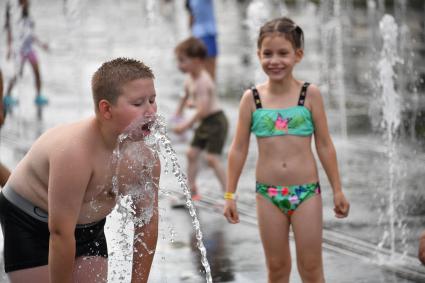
[{"x": 152, "y": 100}]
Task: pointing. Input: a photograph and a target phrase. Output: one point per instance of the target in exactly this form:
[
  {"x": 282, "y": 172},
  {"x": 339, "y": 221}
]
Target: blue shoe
[
  {"x": 41, "y": 100},
  {"x": 9, "y": 102}
]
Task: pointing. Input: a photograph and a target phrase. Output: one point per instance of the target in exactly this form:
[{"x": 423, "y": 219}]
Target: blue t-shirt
[{"x": 204, "y": 20}]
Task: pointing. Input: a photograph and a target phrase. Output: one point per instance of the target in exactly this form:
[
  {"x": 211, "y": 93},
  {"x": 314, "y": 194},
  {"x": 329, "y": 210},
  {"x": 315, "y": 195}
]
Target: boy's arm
[
  {"x": 326, "y": 151},
  {"x": 70, "y": 172},
  {"x": 182, "y": 103},
  {"x": 202, "y": 104},
  {"x": 145, "y": 234}
]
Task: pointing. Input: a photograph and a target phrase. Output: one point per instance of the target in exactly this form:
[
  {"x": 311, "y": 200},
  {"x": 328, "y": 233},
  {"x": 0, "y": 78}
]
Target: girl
[{"x": 284, "y": 113}]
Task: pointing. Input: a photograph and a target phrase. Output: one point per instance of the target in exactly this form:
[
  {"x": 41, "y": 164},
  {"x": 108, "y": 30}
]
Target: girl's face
[
  {"x": 136, "y": 106},
  {"x": 278, "y": 57}
]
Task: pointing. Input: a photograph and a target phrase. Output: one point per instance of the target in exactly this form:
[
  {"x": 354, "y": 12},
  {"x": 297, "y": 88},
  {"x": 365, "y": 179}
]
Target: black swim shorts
[
  {"x": 26, "y": 238},
  {"x": 211, "y": 133}
]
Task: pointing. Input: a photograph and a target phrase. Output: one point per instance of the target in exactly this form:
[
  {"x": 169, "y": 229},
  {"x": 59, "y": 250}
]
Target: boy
[
  {"x": 211, "y": 133},
  {"x": 53, "y": 208}
]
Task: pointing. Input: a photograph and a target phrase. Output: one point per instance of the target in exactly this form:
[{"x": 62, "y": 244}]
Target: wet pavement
[{"x": 82, "y": 39}]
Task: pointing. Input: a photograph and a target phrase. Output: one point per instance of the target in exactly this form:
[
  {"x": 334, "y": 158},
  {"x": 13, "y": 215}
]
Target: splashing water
[
  {"x": 391, "y": 113},
  {"x": 145, "y": 140}
]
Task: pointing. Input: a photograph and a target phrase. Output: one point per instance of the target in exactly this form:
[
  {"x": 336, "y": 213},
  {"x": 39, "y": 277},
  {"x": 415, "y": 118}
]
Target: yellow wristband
[{"x": 229, "y": 196}]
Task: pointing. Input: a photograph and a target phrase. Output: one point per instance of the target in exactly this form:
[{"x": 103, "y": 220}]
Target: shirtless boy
[
  {"x": 52, "y": 231},
  {"x": 210, "y": 134}
]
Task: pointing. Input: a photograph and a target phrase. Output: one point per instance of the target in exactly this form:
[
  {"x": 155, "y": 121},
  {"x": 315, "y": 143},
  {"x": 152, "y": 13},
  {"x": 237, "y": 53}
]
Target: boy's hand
[
  {"x": 421, "y": 252},
  {"x": 179, "y": 129},
  {"x": 342, "y": 206},
  {"x": 230, "y": 211}
]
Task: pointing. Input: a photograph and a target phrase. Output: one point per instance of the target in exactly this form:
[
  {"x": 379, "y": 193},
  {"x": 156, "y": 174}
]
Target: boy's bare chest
[{"x": 100, "y": 184}]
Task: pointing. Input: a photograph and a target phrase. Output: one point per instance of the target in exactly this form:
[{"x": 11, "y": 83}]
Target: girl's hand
[
  {"x": 342, "y": 206},
  {"x": 231, "y": 212}
]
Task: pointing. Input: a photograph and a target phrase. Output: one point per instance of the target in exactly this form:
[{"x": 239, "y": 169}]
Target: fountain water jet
[{"x": 146, "y": 150}]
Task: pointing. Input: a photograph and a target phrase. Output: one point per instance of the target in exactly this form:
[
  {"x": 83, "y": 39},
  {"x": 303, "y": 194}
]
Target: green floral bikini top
[{"x": 296, "y": 120}]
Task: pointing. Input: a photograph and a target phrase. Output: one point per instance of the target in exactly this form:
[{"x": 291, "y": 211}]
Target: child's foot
[
  {"x": 41, "y": 100},
  {"x": 9, "y": 102}
]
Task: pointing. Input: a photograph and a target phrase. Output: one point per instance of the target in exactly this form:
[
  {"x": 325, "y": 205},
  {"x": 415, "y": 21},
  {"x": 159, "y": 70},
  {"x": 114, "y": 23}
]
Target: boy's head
[
  {"x": 124, "y": 94},
  {"x": 188, "y": 51},
  {"x": 108, "y": 80}
]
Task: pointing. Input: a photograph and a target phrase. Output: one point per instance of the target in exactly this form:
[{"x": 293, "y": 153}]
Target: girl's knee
[
  {"x": 278, "y": 268},
  {"x": 311, "y": 270}
]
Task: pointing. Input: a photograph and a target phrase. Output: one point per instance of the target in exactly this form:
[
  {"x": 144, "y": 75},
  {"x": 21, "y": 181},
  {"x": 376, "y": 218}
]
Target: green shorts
[{"x": 211, "y": 133}]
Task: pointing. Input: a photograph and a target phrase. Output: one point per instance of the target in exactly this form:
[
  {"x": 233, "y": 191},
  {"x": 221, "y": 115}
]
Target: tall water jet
[
  {"x": 391, "y": 113},
  {"x": 153, "y": 146},
  {"x": 339, "y": 57}
]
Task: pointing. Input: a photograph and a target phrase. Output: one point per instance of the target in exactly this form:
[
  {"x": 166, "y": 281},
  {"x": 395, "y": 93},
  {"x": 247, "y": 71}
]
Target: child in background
[
  {"x": 23, "y": 38},
  {"x": 54, "y": 206},
  {"x": 203, "y": 26},
  {"x": 210, "y": 134},
  {"x": 284, "y": 113}
]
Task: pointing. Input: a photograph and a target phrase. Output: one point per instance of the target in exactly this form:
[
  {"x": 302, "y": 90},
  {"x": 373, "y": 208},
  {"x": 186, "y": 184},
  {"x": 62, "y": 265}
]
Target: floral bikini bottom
[{"x": 288, "y": 198}]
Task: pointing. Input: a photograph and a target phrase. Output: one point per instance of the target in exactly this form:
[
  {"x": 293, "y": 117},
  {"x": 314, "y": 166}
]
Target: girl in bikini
[{"x": 284, "y": 113}]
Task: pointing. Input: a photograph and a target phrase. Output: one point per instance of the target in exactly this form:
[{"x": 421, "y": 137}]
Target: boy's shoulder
[
  {"x": 204, "y": 81},
  {"x": 76, "y": 136}
]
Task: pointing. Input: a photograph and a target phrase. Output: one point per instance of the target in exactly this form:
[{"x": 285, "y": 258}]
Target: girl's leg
[
  {"x": 192, "y": 167},
  {"x": 37, "y": 76},
  {"x": 215, "y": 163},
  {"x": 274, "y": 232},
  {"x": 307, "y": 226},
  {"x": 91, "y": 269},
  {"x": 39, "y": 274}
]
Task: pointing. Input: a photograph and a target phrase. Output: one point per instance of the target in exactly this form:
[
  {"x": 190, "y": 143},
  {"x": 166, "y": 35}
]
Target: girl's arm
[
  {"x": 237, "y": 154},
  {"x": 326, "y": 150}
]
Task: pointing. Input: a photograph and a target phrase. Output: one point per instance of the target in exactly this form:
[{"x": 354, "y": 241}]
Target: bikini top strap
[
  {"x": 256, "y": 96},
  {"x": 303, "y": 94}
]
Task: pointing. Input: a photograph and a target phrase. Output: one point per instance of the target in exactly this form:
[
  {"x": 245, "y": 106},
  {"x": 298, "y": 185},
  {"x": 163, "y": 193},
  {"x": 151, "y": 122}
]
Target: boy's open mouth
[{"x": 146, "y": 128}]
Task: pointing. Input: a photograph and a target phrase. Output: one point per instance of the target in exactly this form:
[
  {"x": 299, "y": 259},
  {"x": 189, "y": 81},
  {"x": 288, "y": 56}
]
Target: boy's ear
[{"x": 105, "y": 109}]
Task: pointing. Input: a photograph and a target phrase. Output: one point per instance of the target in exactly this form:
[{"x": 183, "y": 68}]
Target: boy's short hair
[
  {"x": 108, "y": 80},
  {"x": 192, "y": 48}
]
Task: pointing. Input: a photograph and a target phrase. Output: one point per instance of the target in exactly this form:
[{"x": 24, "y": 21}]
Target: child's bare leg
[
  {"x": 307, "y": 226},
  {"x": 39, "y": 274},
  {"x": 93, "y": 269},
  {"x": 37, "y": 76},
  {"x": 192, "y": 167},
  {"x": 215, "y": 163},
  {"x": 274, "y": 232}
]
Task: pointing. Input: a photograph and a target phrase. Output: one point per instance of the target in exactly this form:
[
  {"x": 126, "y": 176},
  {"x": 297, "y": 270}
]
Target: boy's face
[
  {"x": 184, "y": 63},
  {"x": 135, "y": 104}
]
